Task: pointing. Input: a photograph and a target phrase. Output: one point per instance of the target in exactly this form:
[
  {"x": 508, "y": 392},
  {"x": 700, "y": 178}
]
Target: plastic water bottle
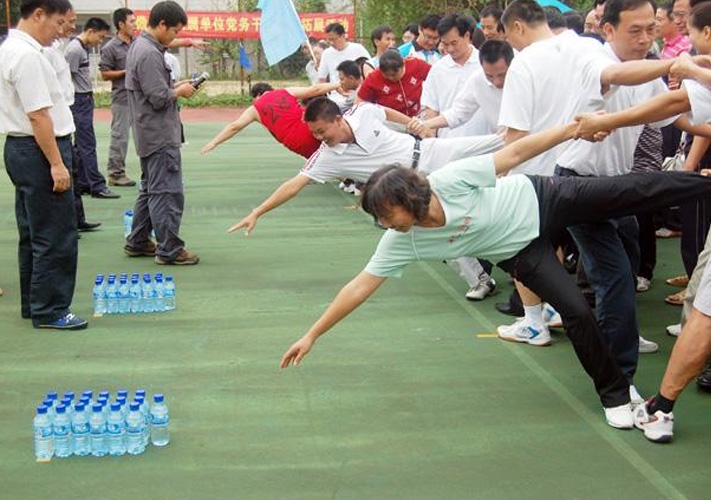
[
  {"x": 52, "y": 395},
  {"x": 135, "y": 425},
  {"x": 158, "y": 293},
  {"x": 169, "y": 293},
  {"x": 134, "y": 292},
  {"x": 124, "y": 296},
  {"x": 112, "y": 295},
  {"x": 160, "y": 435},
  {"x": 49, "y": 403},
  {"x": 127, "y": 223},
  {"x": 88, "y": 395},
  {"x": 67, "y": 403},
  {"x": 145, "y": 412},
  {"x": 80, "y": 431},
  {"x": 44, "y": 435},
  {"x": 97, "y": 431},
  {"x": 116, "y": 431},
  {"x": 99, "y": 296},
  {"x": 148, "y": 304},
  {"x": 62, "y": 433}
]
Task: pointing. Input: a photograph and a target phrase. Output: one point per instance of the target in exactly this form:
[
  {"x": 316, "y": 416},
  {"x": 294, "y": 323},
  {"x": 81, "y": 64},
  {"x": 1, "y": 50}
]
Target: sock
[
  {"x": 660, "y": 403},
  {"x": 534, "y": 315}
]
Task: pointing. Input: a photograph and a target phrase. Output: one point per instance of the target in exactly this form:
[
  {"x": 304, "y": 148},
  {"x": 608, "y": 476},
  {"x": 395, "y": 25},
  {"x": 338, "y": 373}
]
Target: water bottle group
[
  {"x": 150, "y": 294},
  {"x": 99, "y": 427}
]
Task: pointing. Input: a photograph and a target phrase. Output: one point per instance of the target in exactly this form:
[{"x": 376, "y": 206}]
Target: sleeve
[
  {"x": 465, "y": 104},
  {"x": 325, "y": 61},
  {"x": 429, "y": 91},
  {"x": 321, "y": 167},
  {"x": 74, "y": 56},
  {"x": 367, "y": 89},
  {"x": 154, "y": 85},
  {"x": 108, "y": 58},
  {"x": 518, "y": 100},
  {"x": 700, "y": 101},
  {"x": 32, "y": 89},
  {"x": 393, "y": 254},
  {"x": 473, "y": 171}
]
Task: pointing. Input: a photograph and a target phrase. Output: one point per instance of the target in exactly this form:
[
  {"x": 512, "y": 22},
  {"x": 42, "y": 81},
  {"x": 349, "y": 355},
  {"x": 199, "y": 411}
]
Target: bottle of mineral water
[
  {"x": 97, "y": 431},
  {"x": 112, "y": 302},
  {"x": 158, "y": 293},
  {"x": 88, "y": 394},
  {"x": 99, "y": 296},
  {"x": 147, "y": 299},
  {"x": 160, "y": 435},
  {"x": 135, "y": 425},
  {"x": 134, "y": 292},
  {"x": 169, "y": 293},
  {"x": 124, "y": 296},
  {"x": 44, "y": 436},
  {"x": 62, "y": 433},
  {"x": 116, "y": 431},
  {"x": 127, "y": 223},
  {"x": 80, "y": 430},
  {"x": 49, "y": 403},
  {"x": 145, "y": 412}
]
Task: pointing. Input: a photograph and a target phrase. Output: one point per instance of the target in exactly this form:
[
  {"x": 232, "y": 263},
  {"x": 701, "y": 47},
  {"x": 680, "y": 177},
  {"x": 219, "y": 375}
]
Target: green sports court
[{"x": 412, "y": 397}]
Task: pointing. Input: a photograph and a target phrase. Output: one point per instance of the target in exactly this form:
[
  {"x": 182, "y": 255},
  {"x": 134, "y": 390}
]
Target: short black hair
[
  {"x": 526, "y": 11},
  {"x": 463, "y": 24},
  {"x": 700, "y": 16},
  {"x": 669, "y": 8},
  {"x": 613, "y": 9},
  {"x": 322, "y": 108},
  {"x": 259, "y": 88},
  {"x": 574, "y": 21},
  {"x": 169, "y": 12},
  {"x": 396, "y": 186},
  {"x": 554, "y": 18},
  {"x": 27, "y": 7},
  {"x": 430, "y": 21},
  {"x": 391, "y": 60},
  {"x": 478, "y": 38},
  {"x": 412, "y": 28},
  {"x": 336, "y": 28},
  {"x": 493, "y": 50},
  {"x": 120, "y": 16},
  {"x": 96, "y": 24},
  {"x": 492, "y": 10},
  {"x": 350, "y": 68},
  {"x": 379, "y": 31}
]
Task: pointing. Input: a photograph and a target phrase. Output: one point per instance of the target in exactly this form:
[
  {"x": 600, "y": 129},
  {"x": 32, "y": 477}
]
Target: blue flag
[
  {"x": 280, "y": 29},
  {"x": 244, "y": 59}
]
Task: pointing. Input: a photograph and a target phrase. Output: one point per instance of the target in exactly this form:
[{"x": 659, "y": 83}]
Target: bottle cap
[
  {"x": 139, "y": 399},
  {"x": 122, "y": 393},
  {"x": 79, "y": 407},
  {"x": 41, "y": 409},
  {"x": 104, "y": 394},
  {"x": 52, "y": 395},
  {"x": 134, "y": 406},
  {"x": 141, "y": 392},
  {"x": 157, "y": 398},
  {"x": 87, "y": 393},
  {"x": 169, "y": 278},
  {"x": 115, "y": 406},
  {"x": 97, "y": 408},
  {"x": 48, "y": 403},
  {"x": 69, "y": 395},
  {"x": 61, "y": 409}
]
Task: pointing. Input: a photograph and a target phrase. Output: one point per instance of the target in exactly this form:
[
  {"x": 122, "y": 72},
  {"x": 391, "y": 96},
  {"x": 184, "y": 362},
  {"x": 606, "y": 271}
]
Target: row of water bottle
[
  {"x": 99, "y": 427},
  {"x": 112, "y": 296}
]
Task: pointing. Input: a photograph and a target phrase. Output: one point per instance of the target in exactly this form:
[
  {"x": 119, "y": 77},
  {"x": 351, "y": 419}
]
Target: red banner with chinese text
[{"x": 246, "y": 24}]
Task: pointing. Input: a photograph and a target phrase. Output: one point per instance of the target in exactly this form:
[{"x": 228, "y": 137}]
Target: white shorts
[{"x": 702, "y": 302}]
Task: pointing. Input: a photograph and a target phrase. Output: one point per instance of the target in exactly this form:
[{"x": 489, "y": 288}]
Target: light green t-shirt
[{"x": 485, "y": 217}]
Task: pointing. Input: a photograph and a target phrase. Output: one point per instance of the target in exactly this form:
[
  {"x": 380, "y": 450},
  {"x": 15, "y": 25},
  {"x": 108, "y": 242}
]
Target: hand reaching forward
[
  {"x": 590, "y": 127},
  {"x": 249, "y": 223},
  {"x": 296, "y": 352}
]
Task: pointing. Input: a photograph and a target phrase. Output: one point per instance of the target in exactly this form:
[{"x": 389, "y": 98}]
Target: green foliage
[{"x": 14, "y": 14}]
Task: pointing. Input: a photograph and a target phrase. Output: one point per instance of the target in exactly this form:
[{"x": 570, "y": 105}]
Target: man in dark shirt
[{"x": 153, "y": 105}]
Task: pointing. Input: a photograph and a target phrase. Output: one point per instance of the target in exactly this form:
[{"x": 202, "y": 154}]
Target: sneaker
[
  {"x": 521, "y": 331},
  {"x": 674, "y": 330},
  {"x": 658, "y": 428},
  {"x": 67, "y": 322},
  {"x": 703, "y": 382},
  {"x": 482, "y": 290},
  {"x": 635, "y": 398},
  {"x": 620, "y": 417},
  {"x": 106, "y": 194},
  {"x": 185, "y": 258},
  {"x": 664, "y": 232},
  {"x": 121, "y": 181},
  {"x": 147, "y": 251},
  {"x": 643, "y": 284},
  {"x": 647, "y": 346},
  {"x": 551, "y": 317}
]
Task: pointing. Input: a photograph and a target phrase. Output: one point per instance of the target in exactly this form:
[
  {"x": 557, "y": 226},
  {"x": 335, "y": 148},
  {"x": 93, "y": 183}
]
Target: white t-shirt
[
  {"x": 547, "y": 83},
  {"x": 176, "y": 73},
  {"x": 441, "y": 87},
  {"x": 700, "y": 100},
  {"x": 29, "y": 83},
  {"x": 485, "y": 217},
  {"x": 477, "y": 94},
  {"x": 331, "y": 58},
  {"x": 55, "y": 56},
  {"x": 614, "y": 155}
]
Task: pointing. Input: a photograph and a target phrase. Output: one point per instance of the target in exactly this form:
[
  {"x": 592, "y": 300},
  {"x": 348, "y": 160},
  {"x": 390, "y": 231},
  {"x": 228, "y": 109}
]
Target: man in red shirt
[
  {"x": 281, "y": 114},
  {"x": 396, "y": 84}
]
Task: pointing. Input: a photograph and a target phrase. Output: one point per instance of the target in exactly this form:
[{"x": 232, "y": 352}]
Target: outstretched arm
[
  {"x": 248, "y": 116},
  {"x": 635, "y": 72},
  {"x": 283, "y": 193},
  {"x": 348, "y": 299},
  {"x": 529, "y": 146},
  {"x": 314, "y": 90}
]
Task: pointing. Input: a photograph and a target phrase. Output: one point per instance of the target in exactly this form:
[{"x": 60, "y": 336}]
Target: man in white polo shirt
[
  {"x": 35, "y": 117},
  {"x": 340, "y": 50}
]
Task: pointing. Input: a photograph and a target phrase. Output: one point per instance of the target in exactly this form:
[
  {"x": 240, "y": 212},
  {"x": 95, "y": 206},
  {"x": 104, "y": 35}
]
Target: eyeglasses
[{"x": 680, "y": 14}]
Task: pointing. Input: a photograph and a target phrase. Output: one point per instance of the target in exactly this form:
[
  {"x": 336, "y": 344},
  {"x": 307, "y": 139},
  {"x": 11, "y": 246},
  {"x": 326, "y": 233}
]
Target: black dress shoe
[
  {"x": 704, "y": 380},
  {"x": 88, "y": 226},
  {"x": 508, "y": 309},
  {"x": 105, "y": 194}
]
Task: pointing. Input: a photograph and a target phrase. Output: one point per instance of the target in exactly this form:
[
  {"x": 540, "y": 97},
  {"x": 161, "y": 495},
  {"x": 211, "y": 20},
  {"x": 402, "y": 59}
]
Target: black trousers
[
  {"x": 568, "y": 201},
  {"x": 47, "y": 226}
]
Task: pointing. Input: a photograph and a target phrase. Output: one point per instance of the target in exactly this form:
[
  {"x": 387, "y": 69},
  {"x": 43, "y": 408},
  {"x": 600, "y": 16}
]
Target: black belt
[
  {"x": 565, "y": 172},
  {"x": 416, "y": 152}
]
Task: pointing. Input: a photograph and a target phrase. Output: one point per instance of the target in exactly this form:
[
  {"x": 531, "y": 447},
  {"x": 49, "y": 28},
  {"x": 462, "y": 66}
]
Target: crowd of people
[{"x": 526, "y": 139}]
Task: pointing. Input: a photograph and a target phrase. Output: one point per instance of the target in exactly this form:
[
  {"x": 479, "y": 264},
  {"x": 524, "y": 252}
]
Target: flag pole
[{"x": 308, "y": 42}]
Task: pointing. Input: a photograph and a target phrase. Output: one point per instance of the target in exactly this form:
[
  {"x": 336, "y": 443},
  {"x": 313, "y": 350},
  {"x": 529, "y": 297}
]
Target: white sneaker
[
  {"x": 522, "y": 331},
  {"x": 620, "y": 417},
  {"x": 482, "y": 290},
  {"x": 658, "y": 428},
  {"x": 643, "y": 284},
  {"x": 647, "y": 346},
  {"x": 635, "y": 398},
  {"x": 551, "y": 317},
  {"x": 674, "y": 330}
]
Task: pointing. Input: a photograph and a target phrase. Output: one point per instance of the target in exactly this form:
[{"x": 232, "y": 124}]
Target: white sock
[{"x": 534, "y": 315}]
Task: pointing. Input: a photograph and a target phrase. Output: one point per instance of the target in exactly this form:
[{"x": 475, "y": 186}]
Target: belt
[
  {"x": 416, "y": 152},
  {"x": 565, "y": 172}
]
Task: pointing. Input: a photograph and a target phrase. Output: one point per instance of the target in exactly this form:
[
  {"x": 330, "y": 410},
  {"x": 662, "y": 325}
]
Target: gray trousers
[
  {"x": 695, "y": 279},
  {"x": 118, "y": 147},
  {"x": 160, "y": 203}
]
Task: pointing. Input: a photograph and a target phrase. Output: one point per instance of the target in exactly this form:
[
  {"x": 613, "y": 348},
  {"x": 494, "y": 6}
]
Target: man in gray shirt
[{"x": 153, "y": 105}]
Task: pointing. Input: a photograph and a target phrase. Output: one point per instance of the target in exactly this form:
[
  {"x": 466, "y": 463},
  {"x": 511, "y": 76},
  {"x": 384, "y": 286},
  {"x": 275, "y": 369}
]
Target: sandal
[
  {"x": 680, "y": 281},
  {"x": 676, "y": 299}
]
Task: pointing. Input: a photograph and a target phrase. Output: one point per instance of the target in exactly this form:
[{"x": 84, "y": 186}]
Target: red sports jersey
[
  {"x": 283, "y": 116},
  {"x": 402, "y": 96}
]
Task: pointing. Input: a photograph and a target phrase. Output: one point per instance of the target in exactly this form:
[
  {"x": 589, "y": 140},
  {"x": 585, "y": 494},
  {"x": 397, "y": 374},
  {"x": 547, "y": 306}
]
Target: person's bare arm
[
  {"x": 248, "y": 116},
  {"x": 429, "y": 113},
  {"x": 531, "y": 145},
  {"x": 43, "y": 130},
  {"x": 634, "y": 72},
  {"x": 314, "y": 90},
  {"x": 699, "y": 145},
  {"x": 113, "y": 74},
  {"x": 683, "y": 123},
  {"x": 512, "y": 135}
]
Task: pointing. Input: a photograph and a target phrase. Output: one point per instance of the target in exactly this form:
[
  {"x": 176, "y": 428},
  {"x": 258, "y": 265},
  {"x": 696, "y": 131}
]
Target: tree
[{"x": 14, "y": 14}]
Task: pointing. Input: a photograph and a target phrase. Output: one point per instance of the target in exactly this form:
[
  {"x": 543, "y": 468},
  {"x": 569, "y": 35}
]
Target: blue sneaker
[{"x": 67, "y": 322}]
